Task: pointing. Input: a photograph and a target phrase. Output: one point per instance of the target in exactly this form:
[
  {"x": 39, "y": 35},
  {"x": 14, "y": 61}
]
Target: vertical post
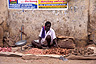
[
  {"x": 88, "y": 23},
  {"x": 21, "y": 32}
]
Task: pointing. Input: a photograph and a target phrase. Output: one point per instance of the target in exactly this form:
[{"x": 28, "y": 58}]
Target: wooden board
[
  {"x": 31, "y": 56},
  {"x": 11, "y": 53},
  {"x": 67, "y": 37},
  {"x": 73, "y": 57},
  {"x": 21, "y": 54}
]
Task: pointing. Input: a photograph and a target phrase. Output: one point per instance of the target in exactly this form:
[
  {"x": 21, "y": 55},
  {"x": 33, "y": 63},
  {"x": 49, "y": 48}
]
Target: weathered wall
[
  {"x": 3, "y": 18},
  {"x": 92, "y": 21},
  {"x": 72, "y": 22},
  {"x": 3, "y": 13}
]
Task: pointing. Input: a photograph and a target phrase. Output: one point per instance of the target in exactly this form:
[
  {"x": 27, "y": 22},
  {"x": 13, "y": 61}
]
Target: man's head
[{"x": 47, "y": 25}]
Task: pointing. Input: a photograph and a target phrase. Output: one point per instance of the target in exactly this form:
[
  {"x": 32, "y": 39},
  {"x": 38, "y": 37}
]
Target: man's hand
[
  {"x": 55, "y": 40},
  {"x": 45, "y": 47},
  {"x": 40, "y": 40},
  {"x": 45, "y": 44},
  {"x": 57, "y": 45}
]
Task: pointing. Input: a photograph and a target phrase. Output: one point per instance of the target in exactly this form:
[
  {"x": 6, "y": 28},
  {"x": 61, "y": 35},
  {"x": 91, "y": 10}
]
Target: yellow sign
[{"x": 51, "y": 4}]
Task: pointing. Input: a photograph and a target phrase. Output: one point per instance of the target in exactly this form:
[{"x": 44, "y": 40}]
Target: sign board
[
  {"x": 38, "y": 4},
  {"x": 22, "y": 4},
  {"x": 52, "y": 4}
]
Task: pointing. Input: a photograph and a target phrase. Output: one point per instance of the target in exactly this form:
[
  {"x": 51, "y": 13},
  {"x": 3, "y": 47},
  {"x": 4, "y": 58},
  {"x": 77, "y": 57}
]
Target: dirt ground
[{"x": 19, "y": 60}]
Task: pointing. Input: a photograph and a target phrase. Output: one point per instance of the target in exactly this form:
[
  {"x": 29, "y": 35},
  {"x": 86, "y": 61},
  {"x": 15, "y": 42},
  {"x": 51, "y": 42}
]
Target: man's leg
[
  {"x": 36, "y": 44},
  {"x": 48, "y": 39}
]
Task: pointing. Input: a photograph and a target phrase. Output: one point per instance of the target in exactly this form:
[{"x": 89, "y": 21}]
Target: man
[{"x": 47, "y": 37}]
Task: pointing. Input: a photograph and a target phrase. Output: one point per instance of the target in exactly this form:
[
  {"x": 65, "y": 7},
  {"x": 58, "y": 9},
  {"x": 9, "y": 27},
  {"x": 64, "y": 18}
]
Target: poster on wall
[
  {"x": 22, "y": 4},
  {"x": 38, "y": 4},
  {"x": 52, "y": 4}
]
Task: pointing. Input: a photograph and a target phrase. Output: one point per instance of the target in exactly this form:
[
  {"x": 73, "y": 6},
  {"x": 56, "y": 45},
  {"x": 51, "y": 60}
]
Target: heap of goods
[
  {"x": 82, "y": 51},
  {"x": 58, "y": 51},
  {"x": 8, "y": 49},
  {"x": 34, "y": 51}
]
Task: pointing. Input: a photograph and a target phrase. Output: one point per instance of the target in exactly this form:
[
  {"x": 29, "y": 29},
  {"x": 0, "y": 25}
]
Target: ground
[{"x": 19, "y": 60}]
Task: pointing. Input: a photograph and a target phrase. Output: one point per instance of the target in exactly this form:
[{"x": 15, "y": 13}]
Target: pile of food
[
  {"x": 58, "y": 51},
  {"x": 82, "y": 51},
  {"x": 8, "y": 49},
  {"x": 34, "y": 51}
]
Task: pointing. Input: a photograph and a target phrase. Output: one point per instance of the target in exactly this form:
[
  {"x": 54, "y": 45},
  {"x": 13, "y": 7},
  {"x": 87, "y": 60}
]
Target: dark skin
[
  {"x": 47, "y": 42},
  {"x": 47, "y": 28}
]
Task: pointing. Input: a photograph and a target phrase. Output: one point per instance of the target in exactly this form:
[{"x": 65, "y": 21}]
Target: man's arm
[
  {"x": 40, "y": 40},
  {"x": 55, "y": 40}
]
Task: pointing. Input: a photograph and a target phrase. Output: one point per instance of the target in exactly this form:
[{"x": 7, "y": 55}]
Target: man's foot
[{"x": 30, "y": 45}]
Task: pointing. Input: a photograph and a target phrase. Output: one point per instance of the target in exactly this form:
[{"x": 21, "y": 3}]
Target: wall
[
  {"x": 92, "y": 21},
  {"x": 3, "y": 18},
  {"x": 72, "y": 22}
]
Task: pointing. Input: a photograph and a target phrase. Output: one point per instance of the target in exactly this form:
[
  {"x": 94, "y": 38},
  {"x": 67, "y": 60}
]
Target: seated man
[{"x": 47, "y": 37}]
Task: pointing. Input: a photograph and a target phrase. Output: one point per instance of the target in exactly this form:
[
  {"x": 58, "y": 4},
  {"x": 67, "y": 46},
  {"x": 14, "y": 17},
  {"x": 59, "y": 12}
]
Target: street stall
[{"x": 77, "y": 53}]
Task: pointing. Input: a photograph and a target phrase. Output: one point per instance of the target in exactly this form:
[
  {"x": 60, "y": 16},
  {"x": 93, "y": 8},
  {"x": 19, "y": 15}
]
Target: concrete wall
[
  {"x": 3, "y": 13},
  {"x": 92, "y": 21},
  {"x": 72, "y": 22},
  {"x": 3, "y": 18}
]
